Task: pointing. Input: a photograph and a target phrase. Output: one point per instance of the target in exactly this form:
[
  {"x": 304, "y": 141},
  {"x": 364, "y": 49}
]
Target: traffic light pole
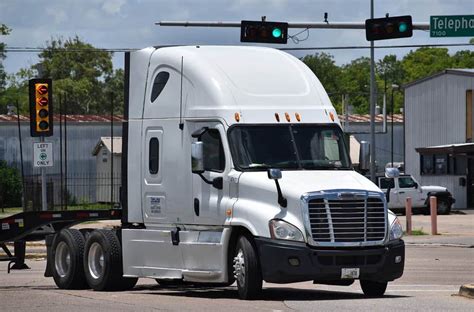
[
  {"x": 44, "y": 202},
  {"x": 373, "y": 99}
]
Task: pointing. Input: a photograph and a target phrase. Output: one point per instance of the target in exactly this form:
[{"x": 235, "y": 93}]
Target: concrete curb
[
  {"x": 467, "y": 291},
  {"x": 439, "y": 245}
]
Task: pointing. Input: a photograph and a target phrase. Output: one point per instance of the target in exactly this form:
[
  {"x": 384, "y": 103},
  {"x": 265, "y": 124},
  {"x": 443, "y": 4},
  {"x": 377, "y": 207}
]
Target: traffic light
[
  {"x": 41, "y": 107},
  {"x": 388, "y": 28},
  {"x": 264, "y": 32}
]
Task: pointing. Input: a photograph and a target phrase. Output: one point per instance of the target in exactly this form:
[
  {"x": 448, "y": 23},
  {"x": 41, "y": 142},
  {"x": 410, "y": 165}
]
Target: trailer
[{"x": 30, "y": 226}]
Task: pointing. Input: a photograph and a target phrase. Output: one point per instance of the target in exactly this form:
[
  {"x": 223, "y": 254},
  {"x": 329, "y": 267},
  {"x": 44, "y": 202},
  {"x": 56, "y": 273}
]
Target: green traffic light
[
  {"x": 276, "y": 33},
  {"x": 402, "y": 27}
]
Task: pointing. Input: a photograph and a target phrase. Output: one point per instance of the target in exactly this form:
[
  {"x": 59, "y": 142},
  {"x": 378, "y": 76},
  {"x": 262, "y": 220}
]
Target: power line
[
  {"x": 381, "y": 47},
  {"x": 36, "y": 49}
]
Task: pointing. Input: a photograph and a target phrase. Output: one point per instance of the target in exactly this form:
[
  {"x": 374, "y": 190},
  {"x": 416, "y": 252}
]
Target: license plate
[{"x": 350, "y": 273}]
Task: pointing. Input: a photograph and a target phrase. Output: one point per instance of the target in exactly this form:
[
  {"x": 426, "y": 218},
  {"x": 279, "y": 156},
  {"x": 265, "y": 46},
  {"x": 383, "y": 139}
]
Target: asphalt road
[{"x": 431, "y": 281}]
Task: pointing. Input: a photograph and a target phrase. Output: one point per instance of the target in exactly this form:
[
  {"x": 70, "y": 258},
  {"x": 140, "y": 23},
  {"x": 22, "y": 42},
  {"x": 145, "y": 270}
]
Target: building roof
[
  {"x": 107, "y": 143},
  {"x": 365, "y": 118},
  {"x": 454, "y": 71},
  {"x": 106, "y": 118},
  {"x": 460, "y": 148}
]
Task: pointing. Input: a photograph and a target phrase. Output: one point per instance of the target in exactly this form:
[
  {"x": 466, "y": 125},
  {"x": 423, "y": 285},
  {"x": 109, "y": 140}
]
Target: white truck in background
[
  {"x": 234, "y": 169},
  {"x": 405, "y": 186}
]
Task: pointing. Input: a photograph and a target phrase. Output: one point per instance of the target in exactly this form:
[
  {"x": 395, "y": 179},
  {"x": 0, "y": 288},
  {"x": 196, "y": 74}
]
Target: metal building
[{"x": 439, "y": 123}]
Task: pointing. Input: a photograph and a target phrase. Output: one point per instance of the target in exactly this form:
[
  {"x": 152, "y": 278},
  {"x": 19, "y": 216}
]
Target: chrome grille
[{"x": 347, "y": 220}]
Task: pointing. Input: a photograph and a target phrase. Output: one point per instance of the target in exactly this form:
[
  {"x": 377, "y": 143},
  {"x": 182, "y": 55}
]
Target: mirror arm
[
  {"x": 387, "y": 196},
  {"x": 281, "y": 200},
  {"x": 216, "y": 182}
]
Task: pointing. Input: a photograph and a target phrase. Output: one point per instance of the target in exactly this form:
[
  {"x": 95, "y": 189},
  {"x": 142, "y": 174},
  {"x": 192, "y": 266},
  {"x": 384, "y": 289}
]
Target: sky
[{"x": 130, "y": 23}]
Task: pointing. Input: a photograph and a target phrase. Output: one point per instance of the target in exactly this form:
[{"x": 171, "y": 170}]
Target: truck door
[
  {"x": 209, "y": 202},
  {"x": 407, "y": 187}
]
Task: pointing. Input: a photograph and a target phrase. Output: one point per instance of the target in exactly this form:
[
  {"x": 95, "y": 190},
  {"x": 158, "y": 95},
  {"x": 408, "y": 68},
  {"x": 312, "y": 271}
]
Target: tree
[
  {"x": 16, "y": 90},
  {"x": 356, "y": 83},
  {"x": 4, "y": 30},
  {"x": 425, "y": 62},
  {"x": 78, "y": 71},
  {"x": 323, "y": 65},
  {"x": 389, "y": 71}
]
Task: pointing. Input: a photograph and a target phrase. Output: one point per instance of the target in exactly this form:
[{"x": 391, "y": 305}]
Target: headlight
[
  {"x": 396, "y": 231},
  {"x": 283, "y": 230}
]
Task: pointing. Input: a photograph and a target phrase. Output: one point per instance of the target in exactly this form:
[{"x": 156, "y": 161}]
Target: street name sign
[
  {"x": 452, "y": 26},
  {"x": 43, "y": 154}
]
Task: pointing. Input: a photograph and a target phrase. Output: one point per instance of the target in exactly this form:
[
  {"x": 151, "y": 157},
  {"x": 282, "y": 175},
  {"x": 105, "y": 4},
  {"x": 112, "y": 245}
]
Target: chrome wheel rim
[
  {"x": 239, "y": 267},
  {"x": 62, "y": 259},
  {"x": 96, "y": 261}
]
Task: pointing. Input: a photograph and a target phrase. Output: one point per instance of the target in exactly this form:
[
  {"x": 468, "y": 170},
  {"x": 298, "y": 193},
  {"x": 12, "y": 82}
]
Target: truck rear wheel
[
  {"x": 103, "y": 262},
  {"x": 444, "y": 207},
  {"x": 247, "y": 270},
  {"x": 373, "y": 288},
  {"x": 67, "y": 255}
]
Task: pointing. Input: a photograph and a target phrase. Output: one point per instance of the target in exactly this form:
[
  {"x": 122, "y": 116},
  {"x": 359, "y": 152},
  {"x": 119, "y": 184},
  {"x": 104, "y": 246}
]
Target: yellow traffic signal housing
[{"x": 41, "y": 107}]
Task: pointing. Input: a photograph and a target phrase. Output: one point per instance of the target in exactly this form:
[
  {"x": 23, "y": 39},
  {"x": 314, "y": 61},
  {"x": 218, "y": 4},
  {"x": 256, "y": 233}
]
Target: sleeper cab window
[
  {"x": 159, "y": 84},
  {"x": 153, "y": 157}
]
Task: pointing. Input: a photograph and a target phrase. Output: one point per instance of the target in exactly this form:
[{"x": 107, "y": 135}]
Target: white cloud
[
  {"x": 59, "y": 15},
  {"x": 113, "y": 6}
]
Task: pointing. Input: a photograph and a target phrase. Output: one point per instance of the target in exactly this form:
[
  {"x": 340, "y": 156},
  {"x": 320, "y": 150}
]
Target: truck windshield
[{"x": 304, "y": 147}]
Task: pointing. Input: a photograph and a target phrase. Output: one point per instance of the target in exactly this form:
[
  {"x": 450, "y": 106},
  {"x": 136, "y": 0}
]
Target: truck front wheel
[
  {"x": 373, "y": 288},
  {"x": 247, "y": 270},
  {"x": 103, "y": 262}
]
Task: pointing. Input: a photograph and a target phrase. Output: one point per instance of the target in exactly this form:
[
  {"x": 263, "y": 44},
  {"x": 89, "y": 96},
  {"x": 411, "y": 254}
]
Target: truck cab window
[
  {"x": 214, "y": 158},
  {"x": 386, "y": 183},
  {"x": 406, "y": 182},
  {"x": 159, "y": 84},
  {"x": 153, "y": 157}
]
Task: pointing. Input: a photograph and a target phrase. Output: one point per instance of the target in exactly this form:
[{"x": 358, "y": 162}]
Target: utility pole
[{"x": 372, "y": 102}]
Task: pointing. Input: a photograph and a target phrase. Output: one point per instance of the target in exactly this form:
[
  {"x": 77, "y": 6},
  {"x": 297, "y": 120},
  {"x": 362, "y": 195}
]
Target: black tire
[
  {"x": 373, "y": 289},
  {"x": 444, "y": 206},
  {"x": 103, "y": 263},
  {"x": 67, "y": 259},
  {"x": 247, "y": 270}
]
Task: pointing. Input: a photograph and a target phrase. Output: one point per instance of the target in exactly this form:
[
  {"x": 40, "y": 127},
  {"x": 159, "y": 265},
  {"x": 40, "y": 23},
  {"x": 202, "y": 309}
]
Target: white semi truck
[{"x": 234, "y": 168}]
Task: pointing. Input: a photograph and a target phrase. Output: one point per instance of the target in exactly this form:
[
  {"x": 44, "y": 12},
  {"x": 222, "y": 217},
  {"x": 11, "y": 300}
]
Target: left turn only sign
[{"x": 43, "y": 154}]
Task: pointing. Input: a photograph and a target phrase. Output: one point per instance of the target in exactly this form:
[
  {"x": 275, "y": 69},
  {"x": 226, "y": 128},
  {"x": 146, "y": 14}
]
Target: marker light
[
  {"x": 237, "y": 117},
  {"x": 287, "y": 116},
  {"x": 298, "y": 117},
  {"x": 277, "y": 117}
]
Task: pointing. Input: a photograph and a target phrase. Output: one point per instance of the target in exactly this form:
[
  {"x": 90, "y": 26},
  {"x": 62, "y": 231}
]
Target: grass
[{"x": 416, "y": 232}]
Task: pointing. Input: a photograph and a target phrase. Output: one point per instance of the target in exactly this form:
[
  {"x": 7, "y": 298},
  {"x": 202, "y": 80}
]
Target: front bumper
[{"x": 277, "y": 259}]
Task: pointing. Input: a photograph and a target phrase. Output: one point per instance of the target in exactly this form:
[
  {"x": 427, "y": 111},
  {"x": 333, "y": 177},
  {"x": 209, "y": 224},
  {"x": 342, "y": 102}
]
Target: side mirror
[
  {"x": 364, "y": 155},
  {"x": 197, "y": 157},
  {"x": 274, "y": 174},
  {"x": 416, "y": 185},
  {"x": 392, "y": 173}
]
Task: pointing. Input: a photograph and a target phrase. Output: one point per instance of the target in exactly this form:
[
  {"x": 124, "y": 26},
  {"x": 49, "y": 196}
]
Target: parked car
[{"x": 405, "y": 186}]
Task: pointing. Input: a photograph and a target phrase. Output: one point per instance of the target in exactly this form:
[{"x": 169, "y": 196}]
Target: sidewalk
[{"x": 456, "y": 229}]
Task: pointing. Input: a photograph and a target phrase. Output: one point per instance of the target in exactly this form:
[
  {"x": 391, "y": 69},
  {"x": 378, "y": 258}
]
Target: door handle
[
  {"x": 196, "y": 206},
  {"x": 401, "y": 192}
]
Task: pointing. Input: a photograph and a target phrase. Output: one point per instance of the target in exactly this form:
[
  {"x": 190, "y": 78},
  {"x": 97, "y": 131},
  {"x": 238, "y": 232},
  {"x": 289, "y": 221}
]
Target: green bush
[{"x": 10, "y": 186}]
